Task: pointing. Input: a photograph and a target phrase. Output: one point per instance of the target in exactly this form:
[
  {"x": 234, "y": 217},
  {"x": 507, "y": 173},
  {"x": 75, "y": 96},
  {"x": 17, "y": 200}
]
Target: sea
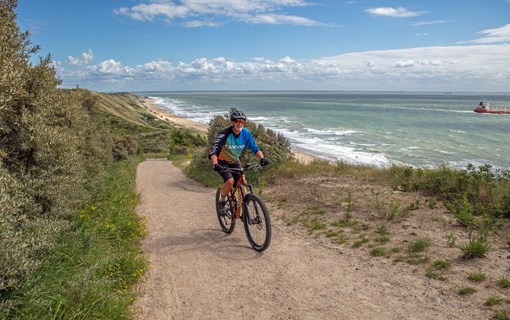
[{"x": 419, "y": 129}]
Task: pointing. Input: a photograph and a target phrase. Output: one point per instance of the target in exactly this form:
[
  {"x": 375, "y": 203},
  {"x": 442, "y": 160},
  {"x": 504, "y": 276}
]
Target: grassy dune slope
[{"x": 134, "y": 126}]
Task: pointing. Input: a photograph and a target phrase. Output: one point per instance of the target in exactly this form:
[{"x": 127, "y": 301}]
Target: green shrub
[
  {"x": 94, "y": 263},
  {"x": 52, "y": 153},
  {"x": 182, "y": 140}
]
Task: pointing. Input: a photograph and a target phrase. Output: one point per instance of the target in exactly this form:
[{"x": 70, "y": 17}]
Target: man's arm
[{"x": 214, "y": 159}]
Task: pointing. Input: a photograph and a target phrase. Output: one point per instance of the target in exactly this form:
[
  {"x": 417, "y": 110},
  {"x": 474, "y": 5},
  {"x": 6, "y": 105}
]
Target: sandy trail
[{"x": 199, "y": 272}]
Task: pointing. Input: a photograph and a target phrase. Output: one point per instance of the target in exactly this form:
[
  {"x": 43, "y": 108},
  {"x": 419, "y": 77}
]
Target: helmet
[{"x": 236, "y": 115}]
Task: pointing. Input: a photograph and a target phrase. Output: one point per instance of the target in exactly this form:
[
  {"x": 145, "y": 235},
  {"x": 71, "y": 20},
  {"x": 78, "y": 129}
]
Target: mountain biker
[{"x": 227, "y": 149}]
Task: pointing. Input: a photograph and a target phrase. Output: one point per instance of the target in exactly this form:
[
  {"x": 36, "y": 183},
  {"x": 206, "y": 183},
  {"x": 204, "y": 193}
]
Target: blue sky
[{"x": 139, "y": 45}]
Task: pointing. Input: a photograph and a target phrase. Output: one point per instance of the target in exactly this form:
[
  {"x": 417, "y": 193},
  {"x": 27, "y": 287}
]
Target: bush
[
  {"x": 51, "y": 153},
  {"x": 182, "y": 140}
]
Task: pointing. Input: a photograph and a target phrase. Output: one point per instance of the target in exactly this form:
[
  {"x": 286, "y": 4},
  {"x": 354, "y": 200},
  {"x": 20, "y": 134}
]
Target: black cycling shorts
[{"x": 227, "y": 174}]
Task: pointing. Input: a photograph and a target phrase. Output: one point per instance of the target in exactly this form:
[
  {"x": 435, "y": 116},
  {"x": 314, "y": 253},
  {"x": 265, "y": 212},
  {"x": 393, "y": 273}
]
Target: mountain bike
[{"x": 242, "y": 203}]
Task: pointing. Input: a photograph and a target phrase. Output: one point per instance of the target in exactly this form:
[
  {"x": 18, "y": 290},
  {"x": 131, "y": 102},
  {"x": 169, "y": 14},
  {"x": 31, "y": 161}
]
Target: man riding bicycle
[{"x": 227, "y": 149}]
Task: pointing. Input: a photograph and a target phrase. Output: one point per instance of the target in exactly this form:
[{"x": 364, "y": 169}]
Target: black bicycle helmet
[{"x": 236, "y": 115}]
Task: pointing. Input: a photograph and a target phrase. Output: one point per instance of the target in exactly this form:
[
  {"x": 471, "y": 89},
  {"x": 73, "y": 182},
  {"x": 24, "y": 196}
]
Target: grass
[
  {"x": 419, "y": 245},
  {"x": 362, "y": 239},
  {"x": 502, "y": 315},
  {"x": 378, "y": 252},
  {"x": 504, "y": 283},
  {"x": 493, "y": 301},
  {"x": 476, "y": 247},
  {"x": 476, "y": 277},
  {"x": 93, "y": 269},
  {"x": 466, "y": 291},
  {"x": 442, "y": 264}
]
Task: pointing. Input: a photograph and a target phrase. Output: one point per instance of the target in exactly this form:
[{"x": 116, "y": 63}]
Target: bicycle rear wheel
[
  {"x": 228, "y": 220},
  {"x": 257, "y": 223}
]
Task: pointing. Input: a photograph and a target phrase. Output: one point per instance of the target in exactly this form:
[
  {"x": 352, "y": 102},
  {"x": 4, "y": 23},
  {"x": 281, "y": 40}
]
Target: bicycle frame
[{"x": 239, "y": 192}]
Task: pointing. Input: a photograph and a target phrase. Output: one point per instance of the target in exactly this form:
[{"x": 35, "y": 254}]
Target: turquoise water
[{"x": 375, "y": 128}]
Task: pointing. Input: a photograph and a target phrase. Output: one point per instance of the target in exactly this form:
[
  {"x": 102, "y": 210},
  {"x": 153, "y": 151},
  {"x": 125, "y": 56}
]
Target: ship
[{"x": 485, "y": 107}]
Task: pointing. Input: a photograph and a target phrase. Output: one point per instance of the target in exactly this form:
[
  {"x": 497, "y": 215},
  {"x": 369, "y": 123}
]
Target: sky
[{"x": 355, "y": 45}]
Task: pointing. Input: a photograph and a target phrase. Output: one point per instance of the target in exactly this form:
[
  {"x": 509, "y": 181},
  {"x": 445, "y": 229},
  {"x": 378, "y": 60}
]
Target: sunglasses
[{"x": 239, "y": 122}]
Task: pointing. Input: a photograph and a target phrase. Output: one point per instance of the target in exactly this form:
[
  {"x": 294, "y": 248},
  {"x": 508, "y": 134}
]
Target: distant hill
[{"x": 132, "y": 125}]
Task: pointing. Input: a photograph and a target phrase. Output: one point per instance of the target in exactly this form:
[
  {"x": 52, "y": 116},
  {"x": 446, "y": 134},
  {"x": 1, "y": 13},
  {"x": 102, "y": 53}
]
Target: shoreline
[{"x": 167, "y": 115}]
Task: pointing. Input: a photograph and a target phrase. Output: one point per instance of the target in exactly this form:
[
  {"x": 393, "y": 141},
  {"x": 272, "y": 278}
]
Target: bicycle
[{"x": 242, "y": 203}]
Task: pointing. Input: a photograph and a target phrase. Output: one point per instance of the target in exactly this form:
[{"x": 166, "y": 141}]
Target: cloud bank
[
  {"x": 453, "y": 68},
  {"x": 481, "y": 64}
]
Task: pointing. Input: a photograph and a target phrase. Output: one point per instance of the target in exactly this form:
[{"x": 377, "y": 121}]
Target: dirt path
[{"x": 199, "y": 272}]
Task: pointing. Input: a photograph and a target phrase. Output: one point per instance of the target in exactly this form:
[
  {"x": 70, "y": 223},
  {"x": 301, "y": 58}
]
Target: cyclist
[{"x": 227, "y": 149}]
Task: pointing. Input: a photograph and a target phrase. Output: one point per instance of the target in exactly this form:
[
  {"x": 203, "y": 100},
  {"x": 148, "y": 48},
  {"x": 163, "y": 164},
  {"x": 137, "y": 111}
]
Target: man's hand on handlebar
[
  {"x": 218, "y": 168},
  {"x": 264, "y": 162}
]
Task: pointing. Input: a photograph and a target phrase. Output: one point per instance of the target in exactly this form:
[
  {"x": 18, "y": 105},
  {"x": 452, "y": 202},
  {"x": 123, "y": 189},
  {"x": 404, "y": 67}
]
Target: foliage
[
  {"x": 183, "y": 140},
  {"x": 54, "y": 147},
  {"x": 95, "y": 263},
  {"x": 51, "y": 152},
  {"x": 478, "y": 196},
  {"x": 132, "y": 128}
]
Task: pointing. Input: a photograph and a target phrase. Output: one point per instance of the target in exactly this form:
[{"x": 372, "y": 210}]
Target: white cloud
[
  {"x": 86, "y": 58},
  {"x": 449, "y": 68},
  {"x": 393, "y": 12},
  {"x": 150, "y": 11},
  {"x": 198, "y": 23},
  {"x": 108, "y": 67},
  {"x": 426, "y": 23},
  {"x": 251, "y": 11},
  {"x": 280, "y": 19},
  {"x": 496, "y": 35}
]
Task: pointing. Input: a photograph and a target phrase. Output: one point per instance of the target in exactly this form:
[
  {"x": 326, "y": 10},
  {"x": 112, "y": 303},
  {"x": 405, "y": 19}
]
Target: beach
[{"x": 166, "y": 115}]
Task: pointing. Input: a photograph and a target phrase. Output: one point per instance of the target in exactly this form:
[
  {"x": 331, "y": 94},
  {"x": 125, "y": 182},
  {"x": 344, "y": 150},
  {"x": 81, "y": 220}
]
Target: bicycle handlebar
[{"x": 246, "y": 168}]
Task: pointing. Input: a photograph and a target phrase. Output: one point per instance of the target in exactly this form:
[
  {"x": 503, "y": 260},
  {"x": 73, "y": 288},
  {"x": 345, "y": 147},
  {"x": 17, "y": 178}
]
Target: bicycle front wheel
[
  {"x": 257, "y": 223},
  {"x": 227, "y": 220}
]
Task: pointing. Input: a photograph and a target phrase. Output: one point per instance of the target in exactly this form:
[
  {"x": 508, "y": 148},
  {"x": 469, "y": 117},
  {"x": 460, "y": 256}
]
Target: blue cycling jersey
[{"x": 228, "y": 147}]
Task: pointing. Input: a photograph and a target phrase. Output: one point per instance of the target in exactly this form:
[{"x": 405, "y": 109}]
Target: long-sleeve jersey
[{"x": 227, "y": 147}]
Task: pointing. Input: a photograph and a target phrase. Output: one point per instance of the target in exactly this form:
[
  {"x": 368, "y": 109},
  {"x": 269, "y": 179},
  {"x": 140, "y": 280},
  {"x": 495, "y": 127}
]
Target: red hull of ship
[{"x": 491, "y": 111}]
